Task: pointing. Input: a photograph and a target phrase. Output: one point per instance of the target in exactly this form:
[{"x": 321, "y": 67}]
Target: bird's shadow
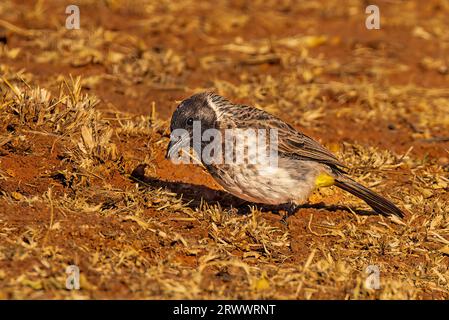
[{"x": 194, "y": 194}]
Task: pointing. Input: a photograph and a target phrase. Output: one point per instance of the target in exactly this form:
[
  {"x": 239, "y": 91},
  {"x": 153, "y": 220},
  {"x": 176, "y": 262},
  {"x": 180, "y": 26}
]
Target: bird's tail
[{"x": 375, "y": 201}]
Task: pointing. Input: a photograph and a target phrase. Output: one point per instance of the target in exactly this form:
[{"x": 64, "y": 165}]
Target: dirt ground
[{"x": 84, "y": 126}]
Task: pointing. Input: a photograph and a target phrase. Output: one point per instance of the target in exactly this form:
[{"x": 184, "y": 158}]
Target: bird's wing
[
  {"x": 296, "y": 144},
  {"x": 291, "y": 143}
]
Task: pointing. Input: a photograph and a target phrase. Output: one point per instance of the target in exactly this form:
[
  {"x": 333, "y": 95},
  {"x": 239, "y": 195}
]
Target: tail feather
[{"x": 375, "y": 201}]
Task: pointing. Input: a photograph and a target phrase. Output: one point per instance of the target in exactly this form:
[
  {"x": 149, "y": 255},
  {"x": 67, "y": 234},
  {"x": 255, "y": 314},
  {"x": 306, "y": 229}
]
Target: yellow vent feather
[{"x": 324, "y": 180}]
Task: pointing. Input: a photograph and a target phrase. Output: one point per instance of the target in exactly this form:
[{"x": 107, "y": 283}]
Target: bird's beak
[
  {"x": 169, "y": 149},
  {"x": 176, "y": 143}
]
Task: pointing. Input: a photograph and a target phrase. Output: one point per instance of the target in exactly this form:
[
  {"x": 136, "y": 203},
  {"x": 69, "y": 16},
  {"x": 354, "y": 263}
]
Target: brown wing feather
[{"x": 292, "y": 143}]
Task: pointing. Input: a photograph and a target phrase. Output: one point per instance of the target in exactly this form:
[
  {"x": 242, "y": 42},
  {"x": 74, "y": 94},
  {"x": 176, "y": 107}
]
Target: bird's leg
[{"x": 290, "y": 209}]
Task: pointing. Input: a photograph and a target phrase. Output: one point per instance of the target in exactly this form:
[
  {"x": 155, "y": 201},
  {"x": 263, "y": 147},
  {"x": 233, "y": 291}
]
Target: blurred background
[{"x": 313, "y": 60}]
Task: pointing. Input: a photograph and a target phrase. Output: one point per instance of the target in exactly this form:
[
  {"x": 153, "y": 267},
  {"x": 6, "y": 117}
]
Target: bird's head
[{"x": 197, "y": 111}]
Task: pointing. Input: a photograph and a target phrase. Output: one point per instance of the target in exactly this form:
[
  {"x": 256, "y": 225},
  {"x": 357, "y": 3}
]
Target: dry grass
[{"x": 72, "y": 190}]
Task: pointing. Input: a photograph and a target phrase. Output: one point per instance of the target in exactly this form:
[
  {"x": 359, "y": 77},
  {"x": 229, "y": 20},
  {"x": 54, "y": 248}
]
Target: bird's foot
[{"x": 290, "y": 209}]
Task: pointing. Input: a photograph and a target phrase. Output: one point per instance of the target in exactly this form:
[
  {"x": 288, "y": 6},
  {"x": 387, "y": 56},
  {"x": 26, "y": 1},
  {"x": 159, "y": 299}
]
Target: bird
[{"x": 302, "y": 164}]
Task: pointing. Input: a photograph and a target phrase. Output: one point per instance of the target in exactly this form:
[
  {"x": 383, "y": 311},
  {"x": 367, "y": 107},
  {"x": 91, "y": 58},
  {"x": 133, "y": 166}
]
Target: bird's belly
[{"x": 267, "y": 184}]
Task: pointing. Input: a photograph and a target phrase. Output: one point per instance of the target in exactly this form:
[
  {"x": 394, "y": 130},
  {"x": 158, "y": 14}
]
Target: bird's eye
[{"x": 190, "y": 121}]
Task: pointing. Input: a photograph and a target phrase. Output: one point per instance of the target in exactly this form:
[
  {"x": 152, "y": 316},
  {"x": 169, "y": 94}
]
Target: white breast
[{"x": 269, "y": 184}]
